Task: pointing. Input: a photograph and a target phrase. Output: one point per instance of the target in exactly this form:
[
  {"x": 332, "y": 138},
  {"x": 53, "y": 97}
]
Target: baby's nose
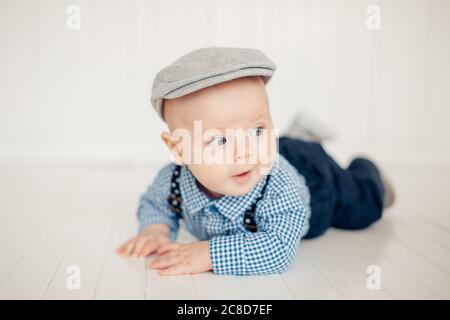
[
  {"x": 242, "y": 155},
  {"x": 242, "y": 150}
]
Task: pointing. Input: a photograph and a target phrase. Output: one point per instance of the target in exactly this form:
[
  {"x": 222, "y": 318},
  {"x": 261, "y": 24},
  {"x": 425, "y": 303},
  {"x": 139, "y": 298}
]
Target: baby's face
[{"x": 228, "y": 141}]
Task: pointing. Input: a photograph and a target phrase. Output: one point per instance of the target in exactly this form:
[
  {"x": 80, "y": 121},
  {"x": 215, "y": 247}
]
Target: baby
[{"x": 247, "y": 195}]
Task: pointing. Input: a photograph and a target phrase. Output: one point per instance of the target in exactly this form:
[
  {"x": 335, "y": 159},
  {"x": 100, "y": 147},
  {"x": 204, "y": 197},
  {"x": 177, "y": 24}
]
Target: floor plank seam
[
  {"x": 102, "y": 266},
  {"x": 60, "y": 260},
  {"x": 20, "y": 257},
  {"x": 416, "y": 252},
  {"x": 386, "y": 256}
]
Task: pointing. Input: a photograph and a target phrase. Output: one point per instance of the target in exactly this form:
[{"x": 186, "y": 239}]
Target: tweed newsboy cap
[{"x": 206, "y": 67}]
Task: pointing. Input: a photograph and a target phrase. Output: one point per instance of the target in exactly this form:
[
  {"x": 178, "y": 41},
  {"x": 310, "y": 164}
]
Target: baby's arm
[
  {"x": 269, "y": 250},
  {"x": 153, "y": 205},
  {"x": 158, "y": 225}
]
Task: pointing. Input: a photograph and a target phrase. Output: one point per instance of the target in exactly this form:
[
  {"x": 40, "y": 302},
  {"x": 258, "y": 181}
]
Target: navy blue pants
[{"x": 349, "y": 198}]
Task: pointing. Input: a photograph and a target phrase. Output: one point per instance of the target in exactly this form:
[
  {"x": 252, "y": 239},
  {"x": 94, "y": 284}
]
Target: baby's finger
[
  {"x": 173, "y": 270},
  {"x": 169, "y": 254},
  {"x": 127, "y": 248},
  {"x": 149, "y": 248},
  {"x": 120, "y": 248},
  {"x": 168, "y": 247},
  {"x": 164, "y": 262},
  {"x": 140, "y": 244}
]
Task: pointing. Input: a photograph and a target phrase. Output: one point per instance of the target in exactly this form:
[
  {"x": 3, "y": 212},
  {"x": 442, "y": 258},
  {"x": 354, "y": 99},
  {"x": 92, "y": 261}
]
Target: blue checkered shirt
[{"x": 282, "y": 219}]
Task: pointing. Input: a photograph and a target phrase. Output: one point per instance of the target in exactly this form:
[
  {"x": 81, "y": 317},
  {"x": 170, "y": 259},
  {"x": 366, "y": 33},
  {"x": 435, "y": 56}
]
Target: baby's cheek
[
  {"x": 214, "y": 177},
  {"x": 223, "y": 184}
]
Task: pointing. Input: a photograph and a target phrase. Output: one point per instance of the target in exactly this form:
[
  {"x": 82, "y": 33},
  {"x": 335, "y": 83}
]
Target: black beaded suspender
[
  {"x": 249, "y": 219},
  {"x": 175, "y": 200}
]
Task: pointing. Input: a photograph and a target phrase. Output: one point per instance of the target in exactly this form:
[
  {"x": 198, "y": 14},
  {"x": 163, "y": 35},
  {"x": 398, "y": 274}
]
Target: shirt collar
[
  {"x": 231, "y": 207},
  {"x": 193, "y": 198}
]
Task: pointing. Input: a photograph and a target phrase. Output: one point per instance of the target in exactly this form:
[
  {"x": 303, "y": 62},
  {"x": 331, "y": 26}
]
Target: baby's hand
[
  {"x": 146, "y": 242},
  {"x": 179, "y": 258}
]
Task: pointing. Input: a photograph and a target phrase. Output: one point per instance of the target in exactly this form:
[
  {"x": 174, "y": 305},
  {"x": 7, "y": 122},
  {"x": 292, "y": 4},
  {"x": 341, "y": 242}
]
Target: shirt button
[{"x": 213, "y": 208}]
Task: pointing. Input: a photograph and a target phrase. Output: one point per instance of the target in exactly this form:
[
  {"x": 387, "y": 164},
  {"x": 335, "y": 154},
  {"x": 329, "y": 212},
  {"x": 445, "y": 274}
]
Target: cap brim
[{"x": 266, "y": 73}]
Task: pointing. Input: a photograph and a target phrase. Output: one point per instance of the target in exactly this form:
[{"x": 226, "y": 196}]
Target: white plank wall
[{"x": 85, "y": 93}]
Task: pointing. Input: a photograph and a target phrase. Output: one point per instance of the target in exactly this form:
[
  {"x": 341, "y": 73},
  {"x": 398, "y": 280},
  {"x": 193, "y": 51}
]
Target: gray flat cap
[{"x": 206, "y": 67}]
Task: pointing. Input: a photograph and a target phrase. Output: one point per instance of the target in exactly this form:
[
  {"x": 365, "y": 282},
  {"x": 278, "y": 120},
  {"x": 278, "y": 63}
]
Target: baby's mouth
[{"x": 242, "y": 177}]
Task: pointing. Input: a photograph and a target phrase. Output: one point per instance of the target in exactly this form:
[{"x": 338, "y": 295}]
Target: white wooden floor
[{"x": 54, "y": 216}]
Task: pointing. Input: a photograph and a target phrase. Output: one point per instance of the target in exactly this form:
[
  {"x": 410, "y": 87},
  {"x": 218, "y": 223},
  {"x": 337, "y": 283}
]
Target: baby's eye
[
  {"x": 258, "y": 131},
  {"x": 219, "y": 141}
]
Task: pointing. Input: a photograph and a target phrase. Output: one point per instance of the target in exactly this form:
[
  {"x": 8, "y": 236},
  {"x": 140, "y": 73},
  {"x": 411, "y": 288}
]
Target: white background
[{"x": 69, "y": 95}]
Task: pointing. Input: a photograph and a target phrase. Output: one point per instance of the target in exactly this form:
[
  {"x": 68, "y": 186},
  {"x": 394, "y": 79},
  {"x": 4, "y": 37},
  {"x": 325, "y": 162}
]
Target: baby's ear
[{"x": 174, "y": 147}]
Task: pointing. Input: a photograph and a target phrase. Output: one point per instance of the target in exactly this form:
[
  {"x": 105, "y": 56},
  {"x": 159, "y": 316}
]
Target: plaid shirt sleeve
[
  {"x": 269, "y": 250},
  {"x": 153, "y": 207}
]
